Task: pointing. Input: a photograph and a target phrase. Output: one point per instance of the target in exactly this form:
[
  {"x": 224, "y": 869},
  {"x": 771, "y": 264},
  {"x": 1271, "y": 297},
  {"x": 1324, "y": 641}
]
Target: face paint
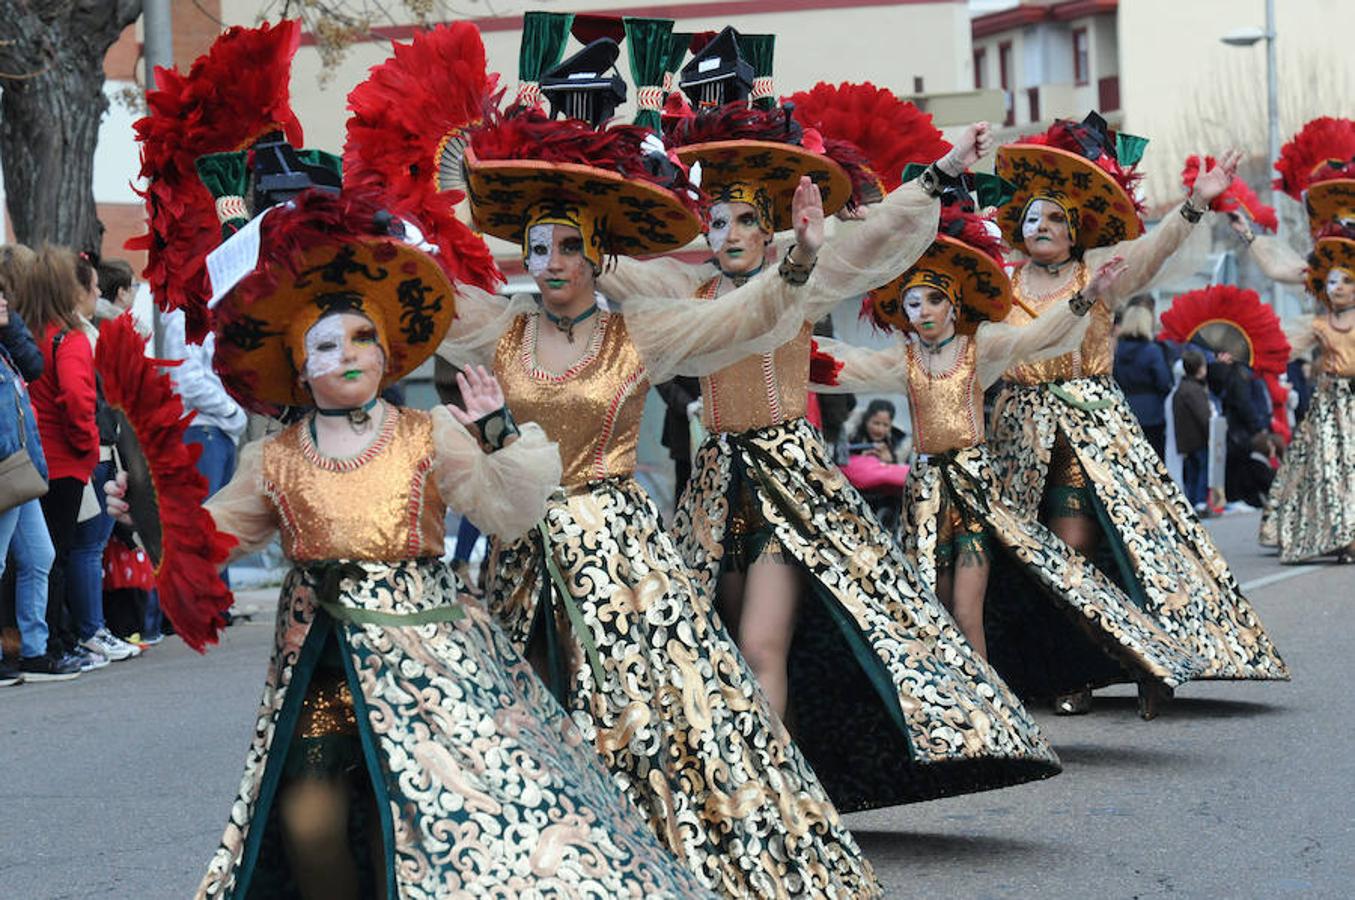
[
  {"x": 540, "y": 246},
  {"x": 1031, "y": 224},
  {"x": 912, "y": 303},
  {"x": 721, "y": 220},
  {"x": 324, "y": 346}
]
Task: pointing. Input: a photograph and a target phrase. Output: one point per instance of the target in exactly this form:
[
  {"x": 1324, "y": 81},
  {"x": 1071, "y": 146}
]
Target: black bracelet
[
  {"x": 497, "y": 427},
  {"x": 1190, "y": 213},
  {"x": 932, "y": 181},
  {"x": 793, "y": 272},
  {"x": 1081, "y": 304}
]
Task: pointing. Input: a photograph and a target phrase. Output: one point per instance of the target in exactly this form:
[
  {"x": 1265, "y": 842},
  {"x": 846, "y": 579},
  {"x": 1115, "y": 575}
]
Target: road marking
[{"x": 1276, "y": 578}]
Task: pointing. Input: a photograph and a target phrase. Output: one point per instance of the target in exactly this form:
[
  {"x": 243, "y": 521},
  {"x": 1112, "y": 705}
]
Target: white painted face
[
  {"x": 924, "y": 308},
  {"x": 1341, "y": 286},
  {"x": 1031, "y": 224},
  {"x": 721, "y": 220},
  {"x": 540, "y": 246},
  {"x": 324, "y": 347}
]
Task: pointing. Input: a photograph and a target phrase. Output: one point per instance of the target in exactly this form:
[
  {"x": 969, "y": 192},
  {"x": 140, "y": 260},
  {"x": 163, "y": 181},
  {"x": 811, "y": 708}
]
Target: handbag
[{"x": 20, "y": 480}]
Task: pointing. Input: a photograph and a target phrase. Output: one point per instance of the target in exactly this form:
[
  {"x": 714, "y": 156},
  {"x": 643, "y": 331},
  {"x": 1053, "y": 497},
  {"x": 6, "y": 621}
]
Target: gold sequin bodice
[
  {"x": 1093, "y": 357},
  {"x": 1338, "y": 349},
  {"x": 592, "y": 410},
  {"x": 382, "y": 504},
  {"x": 757, "y": 391},
  {"x": 946, "y": 407}
]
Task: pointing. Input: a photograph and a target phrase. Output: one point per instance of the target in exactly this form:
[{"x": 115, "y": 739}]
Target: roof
[{"x": 1033, "y": 12}]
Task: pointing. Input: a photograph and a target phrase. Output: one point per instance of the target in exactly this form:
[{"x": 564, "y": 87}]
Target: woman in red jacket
[{"x": 63, "y": 400}]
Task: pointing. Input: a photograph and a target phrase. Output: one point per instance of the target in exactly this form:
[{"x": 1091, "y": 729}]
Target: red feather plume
[
  {"x": 1310, "y": 154},
  {"x": 431, "y": 90},
  {"x": 232, "y": 95},
  {"x": 973, "y": 229},
  {"x": 1238, "y": 196},
  {"x": 1060, "y": 135},
  {"x": 191, "y": 592},
  {"x": 890, "y": 132},
  {"x": 823, "y": 367},
  {"x": 1242, "y": 309}
]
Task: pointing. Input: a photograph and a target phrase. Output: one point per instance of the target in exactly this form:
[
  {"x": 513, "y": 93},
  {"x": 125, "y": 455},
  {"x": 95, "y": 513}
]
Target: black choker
[
  {"x": 934, "y": 348},
  {"x": 360, "y": 417},
  {"x": 1052, "y": 268},
  {"x": 567, "y": 323},
  {"x": 740, "y": 280}
]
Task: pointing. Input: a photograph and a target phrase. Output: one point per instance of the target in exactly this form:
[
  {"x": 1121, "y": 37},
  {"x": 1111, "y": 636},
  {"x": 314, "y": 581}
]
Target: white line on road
[{"x": 1277, "y": 577}]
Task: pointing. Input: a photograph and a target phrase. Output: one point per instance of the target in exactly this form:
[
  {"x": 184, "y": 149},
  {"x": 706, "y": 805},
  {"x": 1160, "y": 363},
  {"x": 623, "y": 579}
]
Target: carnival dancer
[
  {"x": 947, "y": 310},
  {"x": 598, "y": 592},
  {"x": 886, "y": 698},
  {"x": 403, "y": 748},
  {"x": 1066, "y": 445},
  {"x": 1310, "y": 511}
]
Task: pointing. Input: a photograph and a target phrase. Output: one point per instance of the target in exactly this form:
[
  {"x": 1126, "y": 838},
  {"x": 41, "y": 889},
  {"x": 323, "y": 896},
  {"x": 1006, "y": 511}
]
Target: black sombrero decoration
[
  {"x": 1084, "y": 168},
  {"x": 1317, "y": 167},
  {"x": 1329, "y": 253},
  {"x": 964, "y": 262}
]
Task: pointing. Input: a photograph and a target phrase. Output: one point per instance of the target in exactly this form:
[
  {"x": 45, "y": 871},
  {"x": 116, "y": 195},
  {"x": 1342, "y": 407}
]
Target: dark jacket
[
  {"x": 1230, "y": 382},
  {"x": 1190, "y": 410},
  {"x": 16, "y": 412},
  {"x": 1142, "y": 373},
  {"x": 23, "y": 350}
]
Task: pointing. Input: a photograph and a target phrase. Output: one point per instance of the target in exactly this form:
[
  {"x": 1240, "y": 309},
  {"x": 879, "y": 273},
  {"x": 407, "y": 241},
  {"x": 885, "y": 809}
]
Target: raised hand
[
  {"x": 480, "y": 395},
  {"x": 974, "y": 144},
  {"x": 806, "y": 211},
  {"x": 1106, "y": 275},
  {"x": 1214, "y": 182}
]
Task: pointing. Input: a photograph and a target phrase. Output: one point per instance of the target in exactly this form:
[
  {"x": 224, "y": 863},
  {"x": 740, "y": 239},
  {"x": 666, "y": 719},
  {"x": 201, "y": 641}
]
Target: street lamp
[{"x": 1247, "y": 37}]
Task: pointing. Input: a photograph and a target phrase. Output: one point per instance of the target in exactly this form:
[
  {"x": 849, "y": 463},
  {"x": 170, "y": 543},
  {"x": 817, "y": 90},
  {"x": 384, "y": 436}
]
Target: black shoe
[
  {"x": 1076, "y": 703},
  {"x": 44, "y": 668},
  {"x": 9, "y": 675},
  {"x": 1153, "y": 695}
]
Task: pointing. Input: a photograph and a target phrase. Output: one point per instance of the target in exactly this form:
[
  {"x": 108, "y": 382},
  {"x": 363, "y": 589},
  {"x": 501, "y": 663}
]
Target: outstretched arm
[
  {"x": 865, "y": 371},
  {"x": 662, "y": 276}
]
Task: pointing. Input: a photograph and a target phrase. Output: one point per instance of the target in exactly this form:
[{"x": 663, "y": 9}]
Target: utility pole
[{"x": 158, "y": 29}]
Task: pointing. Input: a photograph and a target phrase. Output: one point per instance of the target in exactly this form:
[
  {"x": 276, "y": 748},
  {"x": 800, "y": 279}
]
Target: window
[
  {"x": 1081, "y": 59},
  {"x": 1004, "y": 78},
  {"x": 980, "y": 63}
]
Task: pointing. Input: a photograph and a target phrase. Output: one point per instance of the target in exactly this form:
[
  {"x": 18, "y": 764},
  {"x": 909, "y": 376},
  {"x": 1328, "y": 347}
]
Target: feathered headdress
[
  {"x": 1226, "y": 317},
  {"x": 231, "y": 96},
  {"x": 1323, "y": 149},
  {"x": 890, "y": 132},
  {"x": 1239, "y": 195},
  {"x": 410, "y": 124}
]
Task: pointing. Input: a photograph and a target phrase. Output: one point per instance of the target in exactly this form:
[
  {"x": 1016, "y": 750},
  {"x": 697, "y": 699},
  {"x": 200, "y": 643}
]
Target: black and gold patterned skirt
[
  {"x": 1053, "y": 622},
  {"x": 1157, "y": 551},
  {"x": 890, "y": 703},
  {"x": 1311, "y": 508},
  {"x": 658, "y": 688},
  {"x": 482, "y": 785}
]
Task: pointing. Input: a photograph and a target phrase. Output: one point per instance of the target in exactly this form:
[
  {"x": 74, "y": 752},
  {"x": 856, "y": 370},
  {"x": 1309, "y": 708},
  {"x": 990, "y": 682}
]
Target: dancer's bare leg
[
  {"x": 314, "y": 816},
  {"x": 767, "y": 624}
]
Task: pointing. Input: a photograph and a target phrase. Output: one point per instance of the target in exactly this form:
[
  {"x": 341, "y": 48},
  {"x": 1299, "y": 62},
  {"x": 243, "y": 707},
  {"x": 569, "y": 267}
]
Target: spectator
[
  {"x": 679, "y": 395},
  {"x": 1231, "y": 382},
  {"x": 875, "y": 453},
  {"x": 1191, "y": 411},
  {"x": 1142, "y": 373},
  {"x": 64, "y": 403},
  {"x": 23, "y": 532},
  {"x": 117, "y": 289}
]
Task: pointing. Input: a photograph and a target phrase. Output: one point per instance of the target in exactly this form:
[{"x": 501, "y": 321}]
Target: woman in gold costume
[
  {"x": 1066, "y": 445},
  {"x": 1310, "y": 511},
  {"x": 947, "y": 309},
  {"x": 886, "y": 698},
  {"x": 402, "y": 748},
  {"x": 597, "y": 593}
]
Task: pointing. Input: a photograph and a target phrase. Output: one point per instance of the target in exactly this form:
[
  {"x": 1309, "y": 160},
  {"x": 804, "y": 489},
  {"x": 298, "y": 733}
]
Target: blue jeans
[
  {"x": 1195, "y": 474},
  {"x": 85, "y": 590},
  {"x": 24, "y": 531},
  {"x": 216, "y": 464}
]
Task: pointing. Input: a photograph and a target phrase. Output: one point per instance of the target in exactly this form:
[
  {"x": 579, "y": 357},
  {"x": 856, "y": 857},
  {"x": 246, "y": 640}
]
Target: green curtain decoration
[
  {"x": 1129, "y": 148},
  {"x": 544, "y": 35},
  {"x": 678, "y": 42},
  {"x": 758, "y": 49},
  {"x": 226, "y": 177},
  {"x": 647, "y": 43}
]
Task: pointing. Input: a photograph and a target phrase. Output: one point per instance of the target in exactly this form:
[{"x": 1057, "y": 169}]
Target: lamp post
[{"x": 1247, "y": 37}]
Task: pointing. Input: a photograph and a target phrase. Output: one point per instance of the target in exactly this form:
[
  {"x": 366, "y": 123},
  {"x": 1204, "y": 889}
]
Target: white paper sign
[{"x": 237, "y": 256}]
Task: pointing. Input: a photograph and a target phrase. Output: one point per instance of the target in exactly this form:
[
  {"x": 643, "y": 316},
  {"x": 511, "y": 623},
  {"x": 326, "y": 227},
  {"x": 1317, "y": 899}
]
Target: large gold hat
[
  {"x": 1330, "y": 202},
  {"x": 974, "y": 281},
  {"x": 737, "y": 170},
  {"x": 1330, "y": 253},
  {"x": 1100, "y": 211}
]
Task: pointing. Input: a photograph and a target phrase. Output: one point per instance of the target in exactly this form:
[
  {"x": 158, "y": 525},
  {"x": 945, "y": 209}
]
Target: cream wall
[
  {"x": 887, "y": 44},
  {"x": 1190, "y": 93}
]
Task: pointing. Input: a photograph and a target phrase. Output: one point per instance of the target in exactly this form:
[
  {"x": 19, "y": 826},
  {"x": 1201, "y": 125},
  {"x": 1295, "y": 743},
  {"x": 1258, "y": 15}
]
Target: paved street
[{"x": 118, "y": 784}]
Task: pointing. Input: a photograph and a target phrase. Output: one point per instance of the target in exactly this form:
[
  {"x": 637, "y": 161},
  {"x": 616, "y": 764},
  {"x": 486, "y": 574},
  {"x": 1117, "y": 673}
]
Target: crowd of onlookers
[{"x": 76, "y": 589}]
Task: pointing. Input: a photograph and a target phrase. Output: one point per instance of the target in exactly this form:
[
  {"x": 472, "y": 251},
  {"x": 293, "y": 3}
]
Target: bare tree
[{"x": 51, "y": 102}]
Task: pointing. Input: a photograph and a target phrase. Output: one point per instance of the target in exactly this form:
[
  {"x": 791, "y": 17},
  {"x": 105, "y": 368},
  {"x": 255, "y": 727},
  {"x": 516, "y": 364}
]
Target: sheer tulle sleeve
[
  {"x": 1279, "y": 261},
  {"x": 861, "y": 256},
  {"x": 1000, "y": 346},
  {"x": 481, "y": 319},
  {"x": 865, "y": 371},
  {"x": 662, "y": 276},
  {"x": 504, "y": 493},
  {"x": 1143, "y": 256},
  {"x": 1302, "y": 335},
  {"x": 241, "y": 509}
]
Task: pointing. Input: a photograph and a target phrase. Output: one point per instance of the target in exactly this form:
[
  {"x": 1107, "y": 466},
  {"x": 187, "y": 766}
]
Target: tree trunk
[{"x": 51, "y": 103}]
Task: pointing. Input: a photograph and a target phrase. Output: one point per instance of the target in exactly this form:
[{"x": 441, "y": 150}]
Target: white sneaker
[{"x": 102, "y": 642}]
